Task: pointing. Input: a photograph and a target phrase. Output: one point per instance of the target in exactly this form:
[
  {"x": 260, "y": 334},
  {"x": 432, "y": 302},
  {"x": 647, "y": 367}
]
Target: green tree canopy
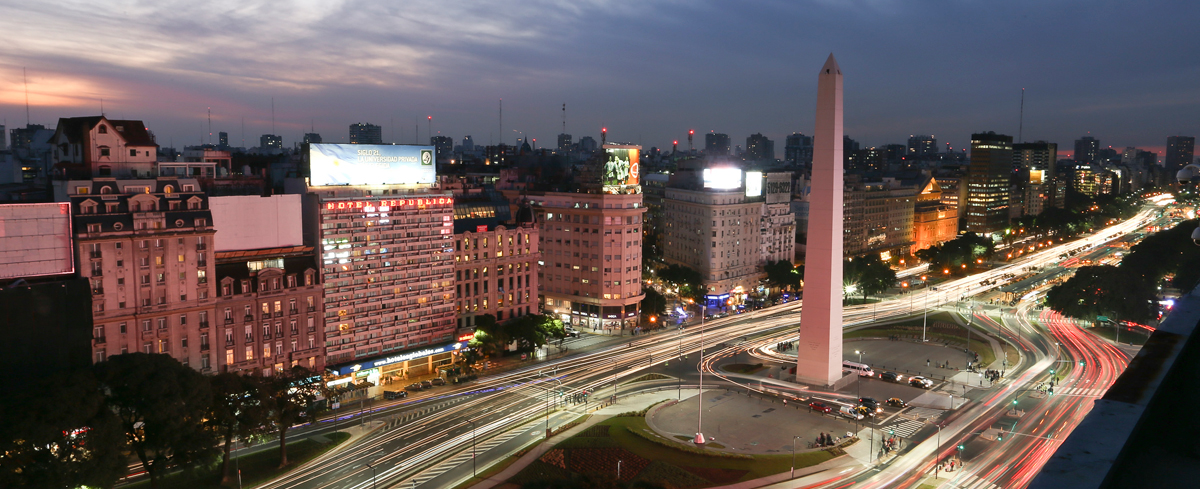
[
  {"x": 532, "y": 331},
  {"x": 236, "y": 411},
  {"x": 287, "y": 397},
  {"x": 60, "y": 434},
  {"x": 1116, "y": 292},
  {"x": 953, "y": 254},
  {"x": 654, "y": 303},
  {"x": 869, "y": 274},
  {"x": 688, "y": 280},
  {"x": 784, "y": 275},
  {"x": 161, "y": 405}
]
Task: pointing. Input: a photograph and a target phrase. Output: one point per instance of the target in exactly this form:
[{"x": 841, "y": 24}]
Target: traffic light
[
  {"x": 1052, "y": 371},
  {"x": 1081, "y": 363},
  {"x": 891, "y": 432},
  {"x": 960, "y": 448},
  {"x": 999, "y": 437}
]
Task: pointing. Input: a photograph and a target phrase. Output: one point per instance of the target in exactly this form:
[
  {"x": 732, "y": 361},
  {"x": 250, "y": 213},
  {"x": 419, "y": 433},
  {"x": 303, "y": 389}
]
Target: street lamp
[
  {"x": 372, "y": 475},
  {"x": 794, "y": 456},
  {"x": 700, "y": 398},
  {"x": 925, "y": 320}
]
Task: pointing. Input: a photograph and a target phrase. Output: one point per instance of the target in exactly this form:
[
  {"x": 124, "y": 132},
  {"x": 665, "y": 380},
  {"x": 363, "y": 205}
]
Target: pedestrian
[{"x": 926, "y": 362}]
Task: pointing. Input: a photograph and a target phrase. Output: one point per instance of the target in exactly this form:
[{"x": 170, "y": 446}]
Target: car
[
  {"x": 415, "y": 386},
  {"x": 919, "y": 381},
  {"x": 870, "y": 403},
  {"x": 571, "y": 332},
  {"x": 819, "y": 407},
  {"x": 897, "y": 402},
  {"x": 890, "y": 376},
  {"x": 395, "y": 394},
  {"x": 849, "y": 412},
  {"x": 425, "y": 384},
  {"x": 438, "y": 381},
  {"x": 866, "y": 412}
]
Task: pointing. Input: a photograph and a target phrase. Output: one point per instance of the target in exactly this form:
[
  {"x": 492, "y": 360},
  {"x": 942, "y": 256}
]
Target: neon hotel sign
[{"x": 386, "y": 204}]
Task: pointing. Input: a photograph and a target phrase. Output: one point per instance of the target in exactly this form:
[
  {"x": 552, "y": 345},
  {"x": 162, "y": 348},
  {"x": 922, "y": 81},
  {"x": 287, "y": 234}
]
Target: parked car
[
  {"x": 820, "y": 407},
  {"x": 871, "y": 404},
  {"x": 425, "y": 384},
  {"x": 897, "y": 402},
  {"x": 919, "y": 381},
  {"x": 395, "y": 394},
  {"x": 438, "y": 381},
  {"x": 866, "y": 412},
  {"x": 890, "y": 376},
  {"x": 415, "y": 386},
  {"x": 850, "y": 412},
  {"x": 571, "y": 332}
]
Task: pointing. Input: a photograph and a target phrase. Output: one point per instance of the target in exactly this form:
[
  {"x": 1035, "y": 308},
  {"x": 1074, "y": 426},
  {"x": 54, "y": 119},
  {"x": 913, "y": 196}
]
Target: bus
[{"x": 862, "y": 369}]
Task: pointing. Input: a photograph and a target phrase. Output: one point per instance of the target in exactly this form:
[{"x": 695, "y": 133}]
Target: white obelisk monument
[{"x": 819, "y": 351}]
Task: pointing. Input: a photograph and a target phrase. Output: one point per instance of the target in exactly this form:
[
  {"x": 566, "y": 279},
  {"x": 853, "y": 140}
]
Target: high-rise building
[
  {"x": 759, "y": 148},
  {"x": 988, "y": 183},
  {"x": 223, "y": 140},
  {"x": 363, "y": 133},
  {"x": 443, "y": 147},
  {"x": 587, "y": 144},
  {"x": 468, "y": 144},
  {"x": 798, "y": 150},
  {"x": 922, "y": 146},
  {"x": 778, "y": 223},
  {"x": 1180, "y": 153},
  {"x": 1087, "y": 149},
  {"x": 387, "y": 267},
  {"x": 564, "y": 143},
  {"x": 877, "y": 217},
  {"x": 270, "y": 142},
  {"x": 495, "y": 259},
  {"x": 716, "y": 144},
  {"x": 146, "y": 247},
  {"x": 1034, "y": 170},
  {"x": 311, "y": 137}
]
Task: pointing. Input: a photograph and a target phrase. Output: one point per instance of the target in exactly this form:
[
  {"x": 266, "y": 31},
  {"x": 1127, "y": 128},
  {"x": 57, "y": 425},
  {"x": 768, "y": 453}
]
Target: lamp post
[
  {"x": 925, "y": 320},
  {"x": 793, "y": 476},
  {"x": 372, "y": 475},
  {"x": 472, "y": 447},
  {"x": 700, "y": 397}
]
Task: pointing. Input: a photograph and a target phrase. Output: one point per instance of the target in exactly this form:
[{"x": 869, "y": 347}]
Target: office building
[
  {"x": 1034, "y": 176},
  {"x": 922, "y": 146},
  {"x": 311, "y": 137},
  {"x": 716, "y": 144},
  {"x": 363, "y": 133},
  {"x": 759, "y": 148},
  {"x": 1180, "y": 153},
  {"x": 223, "y": 140},
  {"x": 778, "y": 223},
  {"x": 878, "y": 217},
  {"x": 270, "y": 143},
  {"x": 495, "y": 259},
  {"x": 798, "y": 150},
  {"x": 443, "y": 147},
  {"x": 988, "y": 183},
  {"x": 1087, "y": 149},
  {"x": 564, "y": 143}
]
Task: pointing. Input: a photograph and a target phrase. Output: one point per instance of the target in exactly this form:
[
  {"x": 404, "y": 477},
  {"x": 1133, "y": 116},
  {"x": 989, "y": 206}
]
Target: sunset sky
[{"x": 1128, "y": 73}]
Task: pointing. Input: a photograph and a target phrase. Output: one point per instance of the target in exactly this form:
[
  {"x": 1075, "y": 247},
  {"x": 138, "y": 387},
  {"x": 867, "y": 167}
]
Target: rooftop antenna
[
  {"x": 1021, "y": 124},
  {"x": 501, "y": 121},
  {"x": 393, "y": 130},
  {"x": 26, "y": 78},
  {"x": 101, "y": 107},
  {"x": 431, "y": 129},
  {"x": 272, "y": 116},
  {"x": 210, "y": 125},
  {"x": 243, "y": 131},
  {"x": 564, "y": 118}
]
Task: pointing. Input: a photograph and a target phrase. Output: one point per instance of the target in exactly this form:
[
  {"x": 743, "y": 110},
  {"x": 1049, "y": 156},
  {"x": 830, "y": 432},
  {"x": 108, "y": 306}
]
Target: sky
[{"x": 1127, "y": 73}]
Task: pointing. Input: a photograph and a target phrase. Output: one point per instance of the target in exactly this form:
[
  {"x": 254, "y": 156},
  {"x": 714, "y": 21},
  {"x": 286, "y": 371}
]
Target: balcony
[
  {"x": 312, "y": 309},
  {"x": 95, "y": 255},
  {"x": 229, "y": 320},
  {"x": 203, "y": 324},
  {"x": 201, "y": 246},
  {"x": 98, "y": 341},
  {"x": 248, "y": 318},
  {"x": 97, "y": 290},
  {"x": 278, "y": 314},
  {"x": 204, "y": 347},
  {"x": 96, "y": 272},
  {"x": 293, "y": 311}
]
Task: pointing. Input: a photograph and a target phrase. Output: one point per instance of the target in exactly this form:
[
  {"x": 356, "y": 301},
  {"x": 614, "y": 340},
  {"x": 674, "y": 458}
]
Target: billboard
[
  {"x": 722, "y": 178},
  {"x": 250, "y": 222},
  {"x": 621, "y": 166},
  {"x": 35, "y": 240},
  {"x": 754, "y": 183},
  {"x": 370, "y": 164}
]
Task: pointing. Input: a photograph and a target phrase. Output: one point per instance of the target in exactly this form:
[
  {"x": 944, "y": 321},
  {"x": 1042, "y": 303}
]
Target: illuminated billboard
[
  {"x": 370, "y": 164},
  {"x": 722, "y": 178},
  {"x": 621, "y": 165},
  {"x": 35, "y": 240},
  {"x": 754, "y": 183}
]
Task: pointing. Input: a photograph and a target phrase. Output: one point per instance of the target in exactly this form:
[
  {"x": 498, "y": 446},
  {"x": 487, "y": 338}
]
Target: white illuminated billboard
[
  {"x": 722, "y": 178},
  {"x": 754, "y": 183},
  {"x": 370, "y": 164},
  {"x": 35, "y": 240}
]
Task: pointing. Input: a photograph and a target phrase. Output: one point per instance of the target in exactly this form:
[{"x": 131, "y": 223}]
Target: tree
[
  {"x": 161, "y": 405},
  {"x": 235, "y": 411},
  {"x": 784, "y": 275},
  {"x": 287, "y": 396},
  {"x": 953, "y": 254},
  {"x": 490, "y": 336},
  {"x": 60, "y": 433},
  {"x": 1116, "y": 292},
  {"x": 532, "y": 331},
  {"x": 869, "y": 274},
  {"x": 654, "y": 304},
  {"x": 688, "y": 280}
]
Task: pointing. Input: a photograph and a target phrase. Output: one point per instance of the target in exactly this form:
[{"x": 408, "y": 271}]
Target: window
[
  {"x": 104, "y": 151},
  {"x": 121, "y": 327},
  {"x": 249, "y": 353},
  {"x": 162, "y": 323},
  {"x": 133, "y": 152},
  {"x": 93, "y": 228},
  {"x": 182, "y": 319},
  {"x": 249, "y": 334},
  {"x": 201, "y": 276},
  {"x": 99, "y": 356},
  {"x": 183, "y": 342},
  {"x": 228, "y": 357}
]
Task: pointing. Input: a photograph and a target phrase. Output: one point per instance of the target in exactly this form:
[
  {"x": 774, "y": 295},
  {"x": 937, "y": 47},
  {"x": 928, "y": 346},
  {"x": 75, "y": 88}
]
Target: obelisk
[{"x": 819, "y": 351}]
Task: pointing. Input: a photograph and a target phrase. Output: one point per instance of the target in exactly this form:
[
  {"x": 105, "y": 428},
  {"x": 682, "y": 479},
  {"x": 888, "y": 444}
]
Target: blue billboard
[{"x": 370, "y": 164}]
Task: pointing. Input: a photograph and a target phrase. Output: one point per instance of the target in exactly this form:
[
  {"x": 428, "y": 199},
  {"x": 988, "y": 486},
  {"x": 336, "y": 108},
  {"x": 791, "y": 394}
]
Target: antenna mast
[
  {"x": 564, "y": 119},
  {"x": 272, "y": 116},
  {"x": 1021, "y": 124},
  {"x": 26, "y": 78},
  {"x": 210, "y": 125},
  {"x": 502, "y": 122}
]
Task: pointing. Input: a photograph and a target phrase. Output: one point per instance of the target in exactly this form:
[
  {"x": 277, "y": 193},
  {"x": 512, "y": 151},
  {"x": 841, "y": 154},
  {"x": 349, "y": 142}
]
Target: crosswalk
[
  {"x": 906, "y": 428},
  {"x": 924, "y": 413},
  {"x": 1080, "y": 391},
  {"x": 962, "y": 481}
]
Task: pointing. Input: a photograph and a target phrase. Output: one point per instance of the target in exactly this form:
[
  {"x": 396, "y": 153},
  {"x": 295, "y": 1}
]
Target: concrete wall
[{"x": 252, "y": 222}]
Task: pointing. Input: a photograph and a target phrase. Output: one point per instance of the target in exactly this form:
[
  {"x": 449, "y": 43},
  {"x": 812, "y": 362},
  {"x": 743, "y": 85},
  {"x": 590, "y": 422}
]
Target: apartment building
[
  {"x": 145, "y": 245},
  {"x": 878, "y": 217}
]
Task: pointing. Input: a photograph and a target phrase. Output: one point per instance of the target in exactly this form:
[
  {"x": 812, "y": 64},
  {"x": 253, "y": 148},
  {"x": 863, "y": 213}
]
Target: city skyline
[{"x": 324, "y": 67}]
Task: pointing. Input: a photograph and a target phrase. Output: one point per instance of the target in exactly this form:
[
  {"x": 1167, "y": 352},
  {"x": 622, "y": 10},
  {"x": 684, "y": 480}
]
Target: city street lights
[
  {"x": 700, "y": 398},
  {"x": 794, "y": 456},
  {"x": 472, "y": 447},
  {"x": 925, "y": 321},
  {"x": 372, "y": 475}
]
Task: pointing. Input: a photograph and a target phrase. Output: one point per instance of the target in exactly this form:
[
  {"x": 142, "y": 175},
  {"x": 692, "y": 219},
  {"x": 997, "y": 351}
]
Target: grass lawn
[
  {"x": 935, "y": 335},
  {"x": 256, "y": 468},
  {"x": 1127, "y": 336},
  {"x": 676, "y": 467},
  {"x": 741, "y": 368}
]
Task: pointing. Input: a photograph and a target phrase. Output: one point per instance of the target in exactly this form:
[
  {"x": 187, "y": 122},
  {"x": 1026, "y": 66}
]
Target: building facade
[
  {"x": 778, "y": 223},
  {"x": 87, "y": 147},
  {"x": 934, "y": 222},
  {"x": 363, "y": 133},
  {"x": 1035, "y": 176},
  {"x": 878, "y": 217},
  {"x": 495, "y": 272},
  {"x": 988, "y": 183},
  {"x": 146, "y": 247},
  {"x": 1180, "y": 153}
]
